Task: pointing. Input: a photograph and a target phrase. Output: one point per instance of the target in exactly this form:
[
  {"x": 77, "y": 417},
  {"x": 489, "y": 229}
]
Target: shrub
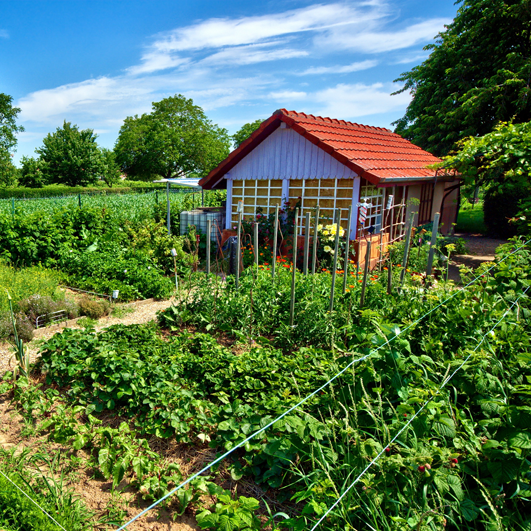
[
  {"x": 37, "y": 305},
  {"x": 24, "y": 326},
  {"x": 95, "y": 309}
]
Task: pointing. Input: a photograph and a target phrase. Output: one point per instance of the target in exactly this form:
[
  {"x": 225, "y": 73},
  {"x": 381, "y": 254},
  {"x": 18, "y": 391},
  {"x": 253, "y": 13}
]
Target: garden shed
[{"x": 314, "y": 161}]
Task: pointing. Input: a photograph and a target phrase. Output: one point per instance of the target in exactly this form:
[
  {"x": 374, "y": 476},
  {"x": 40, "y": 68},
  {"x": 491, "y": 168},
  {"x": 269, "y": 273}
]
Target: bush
[
  {"x": 500, "y": 205},
  {"x": 37, "y": 305},
  {"x": 24, "y": 326},
  {"x": 95, "y": 309}
]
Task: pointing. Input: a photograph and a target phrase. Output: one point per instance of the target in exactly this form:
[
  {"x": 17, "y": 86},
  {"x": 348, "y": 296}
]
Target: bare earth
[
  {"x": 96, "y": 493},
  {"x": 481, "y": 249}
]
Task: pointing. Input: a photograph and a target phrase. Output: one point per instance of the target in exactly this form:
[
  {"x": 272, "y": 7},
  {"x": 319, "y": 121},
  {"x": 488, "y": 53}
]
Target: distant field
[{"x": 471, "y": 220}]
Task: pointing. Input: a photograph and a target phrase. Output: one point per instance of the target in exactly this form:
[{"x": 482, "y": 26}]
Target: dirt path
[
  {"x": 481, "y": 249},
  {"x": 143, "y": 312}
]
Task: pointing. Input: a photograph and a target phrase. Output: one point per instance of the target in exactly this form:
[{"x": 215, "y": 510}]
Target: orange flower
[{"x": 350, "y": 286}]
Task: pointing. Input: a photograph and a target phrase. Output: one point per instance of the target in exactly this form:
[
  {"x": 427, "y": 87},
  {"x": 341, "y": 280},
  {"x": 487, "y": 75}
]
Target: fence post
[
  {"x": 432, "y": 243},
  {"x": 13, "y": 207},
  {"x": 365, "y": 273},
  {"x": 406, "y": 248},
  {"x": 168, "y": 208},
  {"x": 347, "y": 249},
  {"x": 315, "y": 231},
  {"x": 306, "y": 243},
  {"x": 209, "y": 232},
  {"x": 256, "y": 243},
  {"x": 336, "y": 252},
  {"x": 238, "y": 249},
  {"x": 294, "y": 266},
  {"x": 275, "y": 242},
  {"x": 79, "y": 199},
  {"x": 157, "y": 197}
]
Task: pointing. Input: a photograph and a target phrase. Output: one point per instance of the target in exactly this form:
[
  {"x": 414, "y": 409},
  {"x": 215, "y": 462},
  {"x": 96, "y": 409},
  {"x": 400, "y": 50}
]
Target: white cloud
[
  {"x": 351, "y": 101},
  {"x": 246, "y": 55},
  {"x": 225, "y": 32},
  {"x": 412, "y": 58},
  {"x": 370, "y": 41},
  {"x": 4, "y": 34},
  {"x": 287, "y": 95},
  {"x": 340, "y": 69}
]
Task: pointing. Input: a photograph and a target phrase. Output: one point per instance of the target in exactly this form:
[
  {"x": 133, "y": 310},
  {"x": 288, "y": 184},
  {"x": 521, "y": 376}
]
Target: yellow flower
[{"x": 328, "y": 249}]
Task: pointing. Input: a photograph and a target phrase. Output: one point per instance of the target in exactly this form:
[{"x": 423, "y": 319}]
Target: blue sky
[{"x": 95, "y": 62}]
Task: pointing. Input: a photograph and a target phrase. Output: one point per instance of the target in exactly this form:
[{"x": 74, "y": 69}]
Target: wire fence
[{"x": 322, "y": 388}]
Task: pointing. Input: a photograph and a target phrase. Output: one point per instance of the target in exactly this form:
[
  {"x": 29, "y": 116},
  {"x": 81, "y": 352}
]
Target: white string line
[
  {"x": 416, "y": 414},
  {"x": 301, "y": 402},
  {"x": 32, "y": 500}
]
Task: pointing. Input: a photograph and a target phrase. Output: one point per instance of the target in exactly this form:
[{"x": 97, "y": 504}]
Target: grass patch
[{"x": 471, "y": 220}]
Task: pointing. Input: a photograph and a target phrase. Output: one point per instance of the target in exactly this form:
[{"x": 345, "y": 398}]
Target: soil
[{"x": 480, "y": 248}]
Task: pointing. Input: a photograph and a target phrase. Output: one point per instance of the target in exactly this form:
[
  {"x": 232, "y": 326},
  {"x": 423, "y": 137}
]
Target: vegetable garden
[{"x": 409, "y": 411}]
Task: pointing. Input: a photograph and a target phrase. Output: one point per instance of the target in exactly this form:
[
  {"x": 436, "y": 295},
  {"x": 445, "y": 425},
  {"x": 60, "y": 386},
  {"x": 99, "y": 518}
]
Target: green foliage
[
  {"x": 501, "y": 204},
  {"x": 72, "y": 157},
  {"x": 471, "y": 220},
  {"x": 8, "y": 126},
  {"x": 176, "y": 139},
  {"x": 476, "y": 76},
  {"x": 245, "y": 132},
  {"x": 32, "y": 173},
  {"x": 231, "y": 514},
  {"x": 8, "y": 172}
]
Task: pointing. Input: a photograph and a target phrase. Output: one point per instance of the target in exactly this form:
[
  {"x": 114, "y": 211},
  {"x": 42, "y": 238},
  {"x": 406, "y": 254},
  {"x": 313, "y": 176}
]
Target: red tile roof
[{"x": 374, "y": 153}]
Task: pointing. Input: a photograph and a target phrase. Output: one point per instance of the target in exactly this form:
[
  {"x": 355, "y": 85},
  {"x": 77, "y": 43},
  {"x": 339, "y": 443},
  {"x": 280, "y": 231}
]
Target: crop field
[
  {"x": 411, "y": 411},
  {"x": 133, "y": 207}
]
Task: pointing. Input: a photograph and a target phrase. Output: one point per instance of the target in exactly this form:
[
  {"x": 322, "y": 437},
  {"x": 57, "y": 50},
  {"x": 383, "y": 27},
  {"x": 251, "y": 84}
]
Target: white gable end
[{"x": 285, "y": 154}]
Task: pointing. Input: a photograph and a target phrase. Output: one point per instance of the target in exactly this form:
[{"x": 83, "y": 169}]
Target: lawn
[{"x": 470, "y": 219}]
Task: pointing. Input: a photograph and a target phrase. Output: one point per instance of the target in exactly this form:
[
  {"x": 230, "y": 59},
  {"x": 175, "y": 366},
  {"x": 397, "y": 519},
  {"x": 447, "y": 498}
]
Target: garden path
[{"x": 481, "y": 249}]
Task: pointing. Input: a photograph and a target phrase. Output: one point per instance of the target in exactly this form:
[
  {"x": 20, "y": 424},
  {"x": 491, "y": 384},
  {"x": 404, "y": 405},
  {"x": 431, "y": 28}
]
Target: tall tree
[
  {"x": 8, "y": 139},
  {"x": 72, "y": 157},
  {"x": 245, "y": 132},
  {"x": 174, "y": 140},
  {"x": 478, "y": 74}
]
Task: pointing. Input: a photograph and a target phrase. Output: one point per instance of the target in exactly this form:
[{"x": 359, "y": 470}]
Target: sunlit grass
[
  {"x": 22, "y": 283},
  {"x": 470, "y": 219}
]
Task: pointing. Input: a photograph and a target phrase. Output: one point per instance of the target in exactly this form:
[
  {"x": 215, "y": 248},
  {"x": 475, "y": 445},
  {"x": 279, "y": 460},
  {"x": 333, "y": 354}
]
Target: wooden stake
[
  {"x": 256, "y": 243},
  {"x": 432, "y": 243},
  {"x": 336, "y": 252},
  {"x": 306, "y": 243},
  {"x": 275, "y": 242},
  {"x": 365, "y": 273},
  {"x": 315, "y": 231},
  {"x": 406, "y": 248},
  {"x": 347, "y": 250},
  {"x": 238, "y": 249},
  {"x": 209, "y": 232},
  {"x": 294, "y": 266}
]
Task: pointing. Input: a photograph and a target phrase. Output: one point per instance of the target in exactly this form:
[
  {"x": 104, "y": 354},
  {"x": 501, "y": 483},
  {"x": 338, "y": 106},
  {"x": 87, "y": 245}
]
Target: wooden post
[
  {"x": 256, "y": 243},
  {"x": 13, "y": 207},
  {"x": 202, "y": 197},
  {"x": 79, "y": 199},
  {"x": 293, "y": 278},
  {"x": 209, "y": 232},
  {"x": 432, "y": 243},
  {"x": 238, "y": 249},
  {"x": 365, "y": 273},
  {"x": 306, "y": 243},
  {"x": 347, "y": 250},
  {"x": 275, "y": 242},
  {"x": 406, "y": 248},
  {"x": 315, "y": 231},
  {"x": 336, "y": 252}
]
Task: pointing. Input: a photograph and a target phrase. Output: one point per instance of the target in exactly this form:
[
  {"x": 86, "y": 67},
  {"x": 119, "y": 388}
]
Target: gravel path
[{"x": 143, "y": 312}]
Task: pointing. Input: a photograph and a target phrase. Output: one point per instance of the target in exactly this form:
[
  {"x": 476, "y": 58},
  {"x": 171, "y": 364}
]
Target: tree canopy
[
  {"x": 69, "y": 156},
  {"x": 175, "y": 140},
  {"x": 245, "y": 132},
  {"x": 8, "y": 139},
  {"x": 477, "y": 75}
]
